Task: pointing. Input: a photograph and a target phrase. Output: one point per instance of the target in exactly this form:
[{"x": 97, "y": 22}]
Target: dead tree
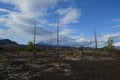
[
  {"x": 50, "y": 40},
  {"x": 96, "y": 45},
  {"x": 34, "y": 38},
  {"x": 58, "y": 36}
]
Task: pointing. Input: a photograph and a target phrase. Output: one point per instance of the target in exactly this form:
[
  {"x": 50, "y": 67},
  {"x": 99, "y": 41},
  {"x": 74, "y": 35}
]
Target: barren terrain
[{"x": 46, "y": 65}]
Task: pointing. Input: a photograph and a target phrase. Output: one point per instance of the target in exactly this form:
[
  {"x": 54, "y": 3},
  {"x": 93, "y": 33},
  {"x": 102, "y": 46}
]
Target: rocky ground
[{"x": 42, "y": 66}]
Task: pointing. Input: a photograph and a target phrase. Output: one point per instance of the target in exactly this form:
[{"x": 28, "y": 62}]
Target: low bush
[
  {"x": 69, "y": 54},
  {"x": 30, "y": 46}
]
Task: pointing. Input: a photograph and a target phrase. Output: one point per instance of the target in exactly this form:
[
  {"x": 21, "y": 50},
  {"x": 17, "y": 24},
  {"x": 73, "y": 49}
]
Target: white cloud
[
  {"x": 66, "y": 32},
  {"x": 102, "y": 40},
  {"x": 21, "y": 22},
  {"x": 116, "y": 26},
  {"x": 83, "y": 39},
  {"x": 116, "y": 44},
  {"x": 116, "y": 20},
  {"x": 89, "y": 41},
  {"x": 4, "y": 10},
  {"x": 21, "y": 19},
  {"x": 68, "y": 15},
  {"x": 31, "y": 5},
  {"x": 76, "y": 41},
  {"x": 3, "y": 21},
  {"x": 114, "y": 35}
]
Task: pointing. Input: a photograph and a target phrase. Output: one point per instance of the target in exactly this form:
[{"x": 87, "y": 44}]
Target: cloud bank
[{"x": 20, "y": 19}]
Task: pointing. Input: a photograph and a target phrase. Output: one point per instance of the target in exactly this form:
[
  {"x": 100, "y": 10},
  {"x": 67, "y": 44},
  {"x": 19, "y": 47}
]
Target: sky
[{"x": 78, "y": 20}]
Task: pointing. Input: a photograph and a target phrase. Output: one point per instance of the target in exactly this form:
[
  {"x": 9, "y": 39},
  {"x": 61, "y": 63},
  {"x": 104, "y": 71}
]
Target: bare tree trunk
[
  {"x": 34, "y": 39},
  {"x": 96, "y": 46},
  {"x": 58, "y": 36},
  {"x": 50, "y": 40}
]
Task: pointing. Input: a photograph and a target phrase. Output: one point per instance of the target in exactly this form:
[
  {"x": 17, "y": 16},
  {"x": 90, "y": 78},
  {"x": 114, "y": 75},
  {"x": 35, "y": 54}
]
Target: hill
[{"x": 7, "y": 42}]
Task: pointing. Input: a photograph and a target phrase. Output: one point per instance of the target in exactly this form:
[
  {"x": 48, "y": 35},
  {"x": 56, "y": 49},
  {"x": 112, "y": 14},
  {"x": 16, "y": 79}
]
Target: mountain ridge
[{"x": 7, "y": 42}]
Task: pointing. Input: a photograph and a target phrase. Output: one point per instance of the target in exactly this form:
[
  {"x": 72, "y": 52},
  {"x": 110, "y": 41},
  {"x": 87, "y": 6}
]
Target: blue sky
[{"x": 78, "y": 19}]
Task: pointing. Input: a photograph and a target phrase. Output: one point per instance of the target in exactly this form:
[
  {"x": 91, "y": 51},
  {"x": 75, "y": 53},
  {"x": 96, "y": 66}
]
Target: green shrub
[
  {"x": 109, "y": 49},
  {"x": 77, "y": 55},
  {"x": 110, "y": 46},
  {"x": 30, "y": 46},
  {"x": 69, "y": 54}
]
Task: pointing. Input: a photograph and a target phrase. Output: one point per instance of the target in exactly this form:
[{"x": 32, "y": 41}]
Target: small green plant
[
  {"x": 69, "y": 54},
  {"x": 30, "y": 46},
  {"x": 77, "y": 55},
  {"x": 31, "y": 59},
  {"x": 110, "y": 46}
]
